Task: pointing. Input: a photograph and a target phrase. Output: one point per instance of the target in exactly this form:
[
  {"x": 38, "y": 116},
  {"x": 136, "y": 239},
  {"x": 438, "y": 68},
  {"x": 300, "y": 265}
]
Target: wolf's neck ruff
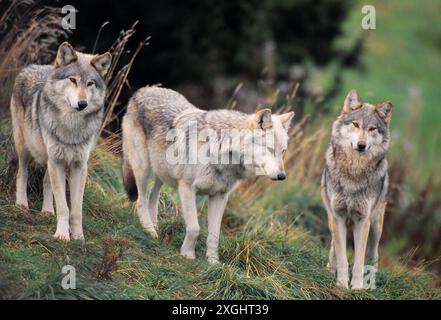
[
  {"x": 70, "y": 128},
  {"x": 354, "y": 165}
]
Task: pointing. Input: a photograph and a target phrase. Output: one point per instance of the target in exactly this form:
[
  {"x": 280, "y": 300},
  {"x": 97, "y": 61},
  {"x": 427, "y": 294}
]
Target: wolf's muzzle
[
  {"x": 361, "y": 147},
  {"x": 281, "y": 176},
  {"x": 82, "y": 105}
]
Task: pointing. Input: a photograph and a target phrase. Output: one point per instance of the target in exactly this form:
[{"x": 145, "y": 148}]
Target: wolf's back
[{"x": 159, "y": 106}]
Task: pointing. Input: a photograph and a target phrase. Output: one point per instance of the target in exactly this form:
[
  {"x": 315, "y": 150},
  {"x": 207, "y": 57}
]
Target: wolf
[
  {"x": 154, "y": 112},
  {"x": 57, "y": 111},
  {"x": 355, "y": 182}
]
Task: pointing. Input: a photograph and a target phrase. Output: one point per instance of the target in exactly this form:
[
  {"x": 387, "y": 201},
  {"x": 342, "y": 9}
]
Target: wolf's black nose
[
  {"x": 281, "y": 176},
  {"x": 82, "y": 104},
  {"x": 361, "y": 147}
]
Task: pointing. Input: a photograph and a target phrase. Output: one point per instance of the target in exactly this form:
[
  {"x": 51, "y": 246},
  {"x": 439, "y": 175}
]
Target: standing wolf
[
  {"x": 152, "y": 114},
  {"x": 355, "y": 183},
  {"x": 56, "y": 113}
]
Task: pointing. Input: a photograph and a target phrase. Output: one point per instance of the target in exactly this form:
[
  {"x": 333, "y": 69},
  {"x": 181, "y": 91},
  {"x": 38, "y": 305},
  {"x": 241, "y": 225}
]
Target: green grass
[{"x": 263, "y": 256}]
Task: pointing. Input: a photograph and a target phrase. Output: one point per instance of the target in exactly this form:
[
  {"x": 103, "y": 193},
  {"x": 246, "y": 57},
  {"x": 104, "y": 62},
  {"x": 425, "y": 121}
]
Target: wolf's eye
[
  {"x": 73, "y": 80},
  {"x": 356, "y": 124},
  {"x": 90, "y": 83},
  {"x": 372, "y": 129}
]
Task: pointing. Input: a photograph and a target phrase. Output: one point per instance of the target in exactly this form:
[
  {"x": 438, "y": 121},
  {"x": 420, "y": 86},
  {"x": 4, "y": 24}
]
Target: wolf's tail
[{"x": 129, "y": 179}]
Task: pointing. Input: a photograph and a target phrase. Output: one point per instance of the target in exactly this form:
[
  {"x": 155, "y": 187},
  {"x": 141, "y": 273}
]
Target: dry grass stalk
[
  {"x": 116, "y": 79},
  {"x": 303, "y": 156},
  {"x": 28, "y": 35},
  {"x": 113, "y": 251}
]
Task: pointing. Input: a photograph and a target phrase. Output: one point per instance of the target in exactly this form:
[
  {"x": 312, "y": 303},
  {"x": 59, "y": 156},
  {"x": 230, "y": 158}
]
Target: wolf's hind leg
[
  {"x": 22, "y": 179},
  {"x": 136, "y": 170},
  {"x": 216, "y": 208},
  {"x": 141, "y": 178},
  {"x": 77, "y": 182},
  {"x": 57, "y": 175},
  {"x": 190, "y": 214},
  {"x": 154, "y": 201},
  {"x": 48, "y": 196}
]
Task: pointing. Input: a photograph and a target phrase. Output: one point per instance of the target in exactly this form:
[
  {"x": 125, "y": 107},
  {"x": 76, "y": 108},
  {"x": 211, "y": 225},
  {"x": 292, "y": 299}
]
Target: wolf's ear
[
  {"x": 261, "y": 120},
  {"x": 384, "y": 110},
  {"x": 352, "y": 102},
  {"x": 102, "y": 63},
  {"x": 66, "y": 55},
  {"x": 286, "y": 119}
]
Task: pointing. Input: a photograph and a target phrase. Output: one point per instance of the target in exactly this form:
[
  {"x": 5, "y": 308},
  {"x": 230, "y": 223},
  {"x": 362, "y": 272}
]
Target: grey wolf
[
  {"x": 151, "y": 114},
  {"x": 355, "y": 183},
  {"x": 56, "y": 112}
]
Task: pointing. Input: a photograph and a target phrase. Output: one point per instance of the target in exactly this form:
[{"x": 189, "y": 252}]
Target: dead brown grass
[{"x": 29, "y": 34}]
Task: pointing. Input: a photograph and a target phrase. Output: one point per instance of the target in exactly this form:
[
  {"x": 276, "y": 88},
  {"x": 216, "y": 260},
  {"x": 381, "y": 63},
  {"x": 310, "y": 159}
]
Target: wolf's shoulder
[
  {"x": 30, "y": 80},
  {"x": 35, "y": 72},
  {"x": 33, "y": 76}
]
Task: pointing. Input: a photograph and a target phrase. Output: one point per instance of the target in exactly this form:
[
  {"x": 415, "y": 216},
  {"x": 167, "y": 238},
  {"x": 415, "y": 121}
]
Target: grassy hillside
[
  {"x": 273, "y": 240},
  {"x": 263, "y": 256}
]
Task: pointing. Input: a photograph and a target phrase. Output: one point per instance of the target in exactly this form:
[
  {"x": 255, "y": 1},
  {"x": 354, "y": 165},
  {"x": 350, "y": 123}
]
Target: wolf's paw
[
  {"x": 357, "y": 284},
  {"x": 152, "y": 232},
  {"x": 78, "y": 236},
  {"x": 62, "y": 232},
  {"x": 47, "y": 211},
  {"x": 63, "y": 236},
  {"x": 188, "y": 254},
  {"x": 76, "y": 231},
  {"x": 213, "y": 260},
  {"x": 332, "y": 268},
  {"x": 343, "y": 283},
  {"x": 22, "y": 207}
]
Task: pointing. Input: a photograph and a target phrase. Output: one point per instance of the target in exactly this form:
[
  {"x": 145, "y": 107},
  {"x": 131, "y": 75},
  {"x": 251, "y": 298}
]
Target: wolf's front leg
[
  {"x": 339, "y": 239},
  {"x": 190, "y": 214},
  {"x": 216, "y": 208},
  {"x": 57, "y": 176},
  {"x": 77, "y": 182},
  {"x": 376, "y": 230},
  {"x": 361, "y": 233},
  {"x": 332, "y": 264}
]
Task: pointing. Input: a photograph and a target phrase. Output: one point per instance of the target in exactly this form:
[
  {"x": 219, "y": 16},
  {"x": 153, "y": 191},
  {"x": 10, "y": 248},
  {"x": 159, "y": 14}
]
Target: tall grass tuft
[{"x": 29, "y": 34}]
